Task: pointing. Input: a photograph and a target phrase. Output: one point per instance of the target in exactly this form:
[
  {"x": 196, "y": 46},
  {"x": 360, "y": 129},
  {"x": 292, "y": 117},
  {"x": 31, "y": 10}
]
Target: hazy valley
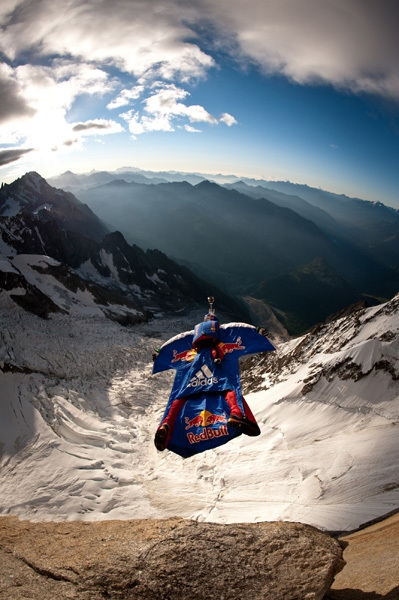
[{"x": 305, "y": 252}]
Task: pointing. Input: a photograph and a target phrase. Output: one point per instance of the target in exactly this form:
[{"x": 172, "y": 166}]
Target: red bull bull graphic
[
  {"x": 196, "y": 421},
  {"x": 228, "y": 347},
  {"x": 186, "y": 355},
  {"x": 206, "y": 420}
]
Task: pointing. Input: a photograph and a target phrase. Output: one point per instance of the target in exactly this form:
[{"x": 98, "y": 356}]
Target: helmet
[
  {"x": 210, "y": 317},
  {"x": 206, "y": 333}
]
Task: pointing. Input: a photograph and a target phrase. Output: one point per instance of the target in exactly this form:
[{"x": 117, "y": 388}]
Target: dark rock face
[
  {"x": 37, "y": 219},
  {"x": 166, "y": 559},
  {"x": 30, "y": 298},
  {"x": 31, "y": 195}
]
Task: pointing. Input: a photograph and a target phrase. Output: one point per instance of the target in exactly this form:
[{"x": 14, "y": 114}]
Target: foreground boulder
[{"x": 168, "y": 559}]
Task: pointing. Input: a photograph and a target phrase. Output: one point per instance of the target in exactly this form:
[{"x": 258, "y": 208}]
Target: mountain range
[
  {"x": 142, "y": 245},
  {"x": 79, "y": 405},
  {"x": 57, "y": 255},
  {"x": 306, "y": 253}
]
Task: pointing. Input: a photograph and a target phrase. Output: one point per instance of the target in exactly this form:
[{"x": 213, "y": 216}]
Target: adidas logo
[{"x": 203, "y": 377}]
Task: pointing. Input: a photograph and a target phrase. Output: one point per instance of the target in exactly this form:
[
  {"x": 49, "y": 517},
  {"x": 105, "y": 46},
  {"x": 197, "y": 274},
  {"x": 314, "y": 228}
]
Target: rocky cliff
[{"x": 168, "y": 559}]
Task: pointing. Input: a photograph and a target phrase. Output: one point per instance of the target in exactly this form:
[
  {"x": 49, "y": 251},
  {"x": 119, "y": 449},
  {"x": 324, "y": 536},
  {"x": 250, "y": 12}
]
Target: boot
[
  {"x": 160, "y": 437},
  {"x": 246, "y": 426}
]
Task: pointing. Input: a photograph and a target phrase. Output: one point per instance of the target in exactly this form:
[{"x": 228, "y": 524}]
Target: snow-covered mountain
[
  {"x": 82, "y": 263},
  {"x": 79, "y": 407}
]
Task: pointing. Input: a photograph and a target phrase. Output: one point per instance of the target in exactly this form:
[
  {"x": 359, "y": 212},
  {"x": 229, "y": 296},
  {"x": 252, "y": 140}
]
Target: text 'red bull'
[
  {"x": 206, "y": 419},
  {"x": 207, "y": 434}
]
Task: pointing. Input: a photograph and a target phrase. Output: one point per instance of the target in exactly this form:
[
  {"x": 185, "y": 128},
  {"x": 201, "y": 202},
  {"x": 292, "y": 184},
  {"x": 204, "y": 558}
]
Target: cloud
[
  {"x": 96, "y": 126},
  {"x": 352, "y": 44},
  {"x": 137, "y": 36},
  {"x": 49, "y": 92},
  {"x": 9, "y": 156},
  {"x": 12, "y": 104},
  {"x": 191, "y": 129},
  {"x": 143, "y": 55},
  {"x": 125, "y": 97},
  {"x": 60, "y": 52},
  {"x": 229, "y": 120},
  {"x": 163, "y": 108}
]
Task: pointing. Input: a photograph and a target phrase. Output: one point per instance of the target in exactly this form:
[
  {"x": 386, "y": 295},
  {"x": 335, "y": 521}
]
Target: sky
[{"x": 298, "y": 90}]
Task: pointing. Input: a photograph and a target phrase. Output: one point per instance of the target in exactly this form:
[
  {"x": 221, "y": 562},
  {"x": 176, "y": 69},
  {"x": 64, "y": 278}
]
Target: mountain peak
[
  {"x": 31, "y": 195},
  {"x": 32, "y": 178},
  {"x": 206, "y": 184}
]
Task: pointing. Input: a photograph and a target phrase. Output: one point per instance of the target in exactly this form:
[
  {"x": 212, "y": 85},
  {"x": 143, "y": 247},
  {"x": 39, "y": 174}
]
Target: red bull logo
[
  {"x": 207, "y": 434},
  {"x": 186, "y": 355},
  {"x": 206, "y": 419},
  {"x": 226, "y": 348}
]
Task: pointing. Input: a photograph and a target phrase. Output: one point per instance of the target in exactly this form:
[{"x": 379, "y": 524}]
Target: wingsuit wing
[
  {"x": 239, "y": 339},
  {"x": 236, "y": 339},
  {"x": 174, "y": 352}
]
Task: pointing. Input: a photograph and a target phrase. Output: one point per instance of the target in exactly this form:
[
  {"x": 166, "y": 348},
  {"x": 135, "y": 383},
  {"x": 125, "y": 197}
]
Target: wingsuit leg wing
[{"x": 199, "y": 423}]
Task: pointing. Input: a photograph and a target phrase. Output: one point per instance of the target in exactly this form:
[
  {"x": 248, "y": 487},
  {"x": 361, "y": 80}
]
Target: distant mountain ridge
[
  {"x": 50, "y": 241},
  {"x": 244, "y": 237},
  {"x": 263, "y": 245}
]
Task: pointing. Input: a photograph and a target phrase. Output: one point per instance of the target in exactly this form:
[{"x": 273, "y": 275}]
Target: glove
[
  {"x": 263, "y": 331},
  {"x": 155, "y": 354}
]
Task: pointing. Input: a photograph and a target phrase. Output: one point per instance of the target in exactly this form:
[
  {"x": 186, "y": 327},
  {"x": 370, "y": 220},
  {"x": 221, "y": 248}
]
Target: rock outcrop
[
  {"x": 372, "y": 557},
  {"x": 168, "y": 559}
]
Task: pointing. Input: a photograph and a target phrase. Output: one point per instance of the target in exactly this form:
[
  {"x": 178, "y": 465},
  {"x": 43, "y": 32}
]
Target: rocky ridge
[
  {"x": 124, "y": 282},
  {"x": 165, "y": 559}
]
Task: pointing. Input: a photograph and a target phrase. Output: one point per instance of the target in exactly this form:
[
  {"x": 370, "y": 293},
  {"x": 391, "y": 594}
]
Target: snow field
[{"x": 78, "y": 417}]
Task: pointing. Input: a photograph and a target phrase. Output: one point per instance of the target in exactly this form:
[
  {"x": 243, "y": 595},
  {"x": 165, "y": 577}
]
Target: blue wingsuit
[{"x": 206, "y": 391}]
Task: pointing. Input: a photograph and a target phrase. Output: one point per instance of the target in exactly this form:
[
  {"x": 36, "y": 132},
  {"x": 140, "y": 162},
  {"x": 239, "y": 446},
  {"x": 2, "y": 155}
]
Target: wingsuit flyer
[{"x": 206, "y": 407}]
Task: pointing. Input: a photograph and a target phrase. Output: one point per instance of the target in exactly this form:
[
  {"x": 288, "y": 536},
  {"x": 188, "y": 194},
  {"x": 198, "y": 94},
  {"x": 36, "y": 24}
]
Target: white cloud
[
  {"x": 126, "y": 97},
  {"x": 49, "y": 93},
  {"x": 163, "y": 108},
  {"x": 7, "y": 6},
  {"x": 346, "y": 42},
  {"x": 191, "y": 129},
  {"x": 89, "y": 48},
  {"x": 139, "y": 124},
  {"x": 138, "y": 36},
  {"x": 229, "y": 120}
]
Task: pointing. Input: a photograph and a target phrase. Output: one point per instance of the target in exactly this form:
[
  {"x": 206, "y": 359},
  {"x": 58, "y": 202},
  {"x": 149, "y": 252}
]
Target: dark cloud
[
  {"x": 12, "y": 104},
  {"x": 349, "y": 43},
  {"x": 352, "y": 44},
  {"x": 89, "y": 125},
  {"x": 9, "y": 156}
]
